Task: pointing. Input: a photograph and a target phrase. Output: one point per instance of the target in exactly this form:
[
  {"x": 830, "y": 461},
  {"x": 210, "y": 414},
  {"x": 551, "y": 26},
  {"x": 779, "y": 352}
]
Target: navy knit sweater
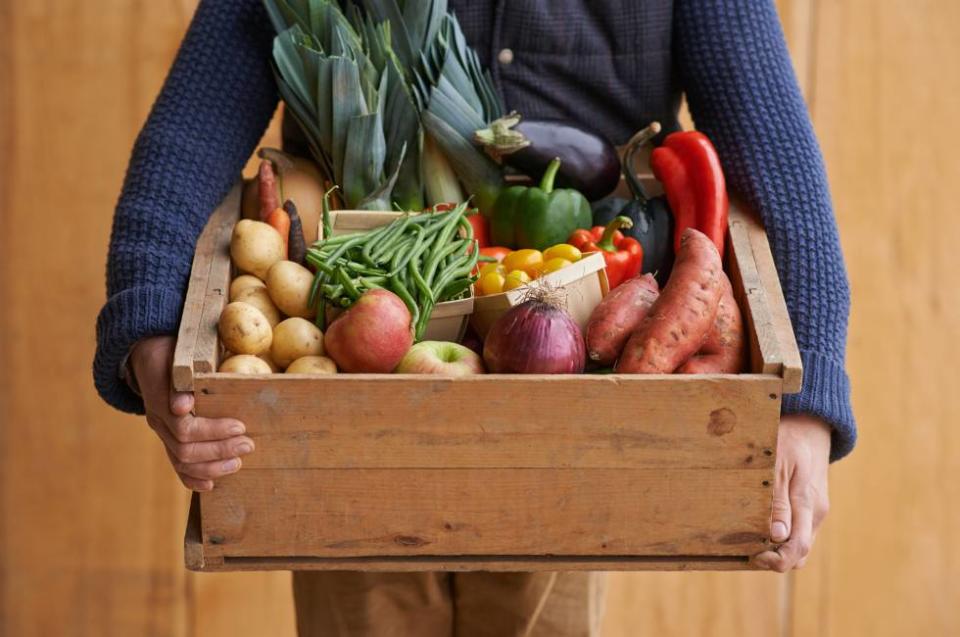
[{"x": 612, "y": 64}]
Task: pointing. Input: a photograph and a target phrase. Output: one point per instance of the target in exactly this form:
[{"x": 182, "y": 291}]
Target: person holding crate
[{"x": 611, "y": 65}]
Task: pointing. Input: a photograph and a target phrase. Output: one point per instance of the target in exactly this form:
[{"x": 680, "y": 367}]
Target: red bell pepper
[
  {"x": 623, "y": 255},
  {"x": 481, "y": 229},
  {"x": 689, "y": 167}
]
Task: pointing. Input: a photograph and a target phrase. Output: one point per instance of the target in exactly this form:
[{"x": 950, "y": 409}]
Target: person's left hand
[{"x": 800, "y": 498}]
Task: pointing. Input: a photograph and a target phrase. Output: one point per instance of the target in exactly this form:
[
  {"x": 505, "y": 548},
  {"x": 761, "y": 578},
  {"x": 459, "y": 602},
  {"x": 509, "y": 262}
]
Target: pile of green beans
[{"x": 424, "y": 259}]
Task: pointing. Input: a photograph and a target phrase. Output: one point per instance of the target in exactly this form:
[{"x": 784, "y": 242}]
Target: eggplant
[
  {"x": 588, "y": 161},
  {"x": 651, "y": 216}
]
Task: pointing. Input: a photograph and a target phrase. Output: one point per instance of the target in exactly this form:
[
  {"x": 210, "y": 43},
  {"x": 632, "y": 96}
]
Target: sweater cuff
[
  {"x": 127, "y": 317},
  {"x": 826, "y": 395}
]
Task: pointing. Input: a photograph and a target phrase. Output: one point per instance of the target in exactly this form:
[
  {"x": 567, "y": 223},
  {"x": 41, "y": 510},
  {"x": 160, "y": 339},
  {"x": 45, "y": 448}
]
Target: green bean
[
  {"x": 421, "y": 323},
  {"x": 383, "y": 235},
  {"x": 348, "y": 287},
  {"x": 400, "y": 261},
  {"x": 389, "y": 244},
  {"x": 419, "y": 282},
  {"x": 401, "y": 290},
  {"x": 455, "y": 288},
  {"x": 430, "y": 269}
]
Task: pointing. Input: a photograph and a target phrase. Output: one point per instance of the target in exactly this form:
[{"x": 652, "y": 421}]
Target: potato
[
  {"x": 312, "y": 365},
  {"x": 295, "y": 338},
  {"x": 724, "y": 351},
  {"x": 260, "y": 299},
  {"x": 255, "y": 246},
  {"x": 617, "y": 316},
  {"x": 289, "y": 286},
  {"x": 244, "y": 364},
  {"x": 244, "y": 329},
  {"x": 243, "y": 283}
]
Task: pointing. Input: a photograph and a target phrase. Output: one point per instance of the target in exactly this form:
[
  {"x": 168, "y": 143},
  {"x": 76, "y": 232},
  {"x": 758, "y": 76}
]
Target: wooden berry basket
[{"x": 402, "y": 472}]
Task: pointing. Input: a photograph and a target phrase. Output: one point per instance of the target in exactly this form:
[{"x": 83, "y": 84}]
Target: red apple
[
  {"x": 372, "y": 336},
  {"x": 440, "y": 357}
]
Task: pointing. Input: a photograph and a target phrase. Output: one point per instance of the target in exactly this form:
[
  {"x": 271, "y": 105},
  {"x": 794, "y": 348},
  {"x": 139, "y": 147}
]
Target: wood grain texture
[
  {"x": 891, "y": 564},
  {"x": 371, "y": 512},
  {"x": 205, "y": 296},
  {"x": 605, "y": 421}
]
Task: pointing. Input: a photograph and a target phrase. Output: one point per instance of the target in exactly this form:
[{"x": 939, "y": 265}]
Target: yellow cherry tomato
[
  {"x": 562, "y": 251},
  {"x": 490, "y": 283},
  {"x": 487, "y": 268},
  {"x": 530, "y": 261},
  {"x": 515, "y": 279},
  {"x": 553, "y": 265}
]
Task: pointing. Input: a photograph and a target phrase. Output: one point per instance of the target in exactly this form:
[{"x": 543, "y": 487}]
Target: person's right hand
[{"x": 200, "y": 449}]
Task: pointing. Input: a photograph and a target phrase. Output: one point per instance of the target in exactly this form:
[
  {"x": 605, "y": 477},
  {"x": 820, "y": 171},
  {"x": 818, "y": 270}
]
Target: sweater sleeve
[
  {"x": 735, "y": 68},
  {"x": 214, "y": 106}
]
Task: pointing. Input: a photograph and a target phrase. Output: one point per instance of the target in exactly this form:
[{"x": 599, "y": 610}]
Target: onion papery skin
[{"x": 535, "y": 338}]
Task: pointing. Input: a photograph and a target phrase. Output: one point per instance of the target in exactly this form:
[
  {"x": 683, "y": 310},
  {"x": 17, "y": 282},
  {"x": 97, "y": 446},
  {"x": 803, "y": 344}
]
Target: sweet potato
[
  {"x": 723, "y": 351},
  {"x": 680, "y": 319},
  {"x": 617, "y": 316}
]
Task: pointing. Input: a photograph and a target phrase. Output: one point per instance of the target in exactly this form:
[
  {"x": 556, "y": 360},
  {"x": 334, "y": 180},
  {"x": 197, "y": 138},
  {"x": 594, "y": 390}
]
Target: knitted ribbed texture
[
  {"x": 611, "y": 65},
  {"x": 743, "y": 93}
]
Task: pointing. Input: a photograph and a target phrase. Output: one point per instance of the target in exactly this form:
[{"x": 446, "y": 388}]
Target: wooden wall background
[{"x": 91, "y": 517}]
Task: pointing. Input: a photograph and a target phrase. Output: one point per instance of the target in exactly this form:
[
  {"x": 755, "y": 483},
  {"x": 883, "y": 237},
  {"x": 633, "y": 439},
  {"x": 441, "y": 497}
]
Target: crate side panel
[
  {"x": 380, "y": 512},
  {"x": 489, "y": 421}
]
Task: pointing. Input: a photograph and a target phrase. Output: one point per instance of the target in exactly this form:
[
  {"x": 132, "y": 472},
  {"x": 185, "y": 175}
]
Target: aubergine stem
[
  {"x": 550, "y": 175},
  {"x": 638, "y": 141},
  {"x": 500, "y": 139}
]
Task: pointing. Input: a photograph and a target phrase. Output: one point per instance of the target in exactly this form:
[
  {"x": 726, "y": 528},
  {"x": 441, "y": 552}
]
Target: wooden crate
[{"x": 398, "y": 472}]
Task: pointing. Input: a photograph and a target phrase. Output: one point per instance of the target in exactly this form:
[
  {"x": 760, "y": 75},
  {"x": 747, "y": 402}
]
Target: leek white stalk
[{"x": 439, "y": 178}]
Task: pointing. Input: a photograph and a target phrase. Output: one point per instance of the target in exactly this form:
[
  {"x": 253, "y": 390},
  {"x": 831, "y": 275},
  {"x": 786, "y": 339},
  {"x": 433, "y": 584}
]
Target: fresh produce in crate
[
  {"x": 373, "y": 335},
  {"x": 284, "y": 177},
  {"x": 259, "y": 298},
  {"x": 245, "y": 364},
  {"x": 617, "y": 316},
  {"x": 440, "y": 357},
  {"x": 677, "y": 325},
  {"x": 425, "y": 259},
  {"x": 651, "y": 216},
  {"x": 725, "y": 348},
  {"x": 589, "y": 162},
  {"x": 255, "y": 246},
  {"x": 535, "y": 337},
  {"x": 538, "y": 217},
  {"x": 244, "y": 329},
  {"x": 289, "y": 284},
  {"x": 516, "y": 268},
  {"x": 295, "y": 338},
  {"x": 689, "y": 167},
  {"x": 622, "y": 255},
  {"x": 312, "y": 365}
]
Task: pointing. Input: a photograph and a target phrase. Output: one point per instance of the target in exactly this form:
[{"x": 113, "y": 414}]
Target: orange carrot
[{"x": 280, "y": 221}]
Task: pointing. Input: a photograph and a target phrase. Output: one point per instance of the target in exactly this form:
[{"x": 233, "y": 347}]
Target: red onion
[{"x": 535, "y": 337}]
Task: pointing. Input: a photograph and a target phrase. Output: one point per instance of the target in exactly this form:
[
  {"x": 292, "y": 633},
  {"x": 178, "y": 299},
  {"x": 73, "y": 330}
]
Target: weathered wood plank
[
  {"x": 193, "y": 339},
  {"x": 376, "y": 512},
  {"x": 496, "y": 421}
]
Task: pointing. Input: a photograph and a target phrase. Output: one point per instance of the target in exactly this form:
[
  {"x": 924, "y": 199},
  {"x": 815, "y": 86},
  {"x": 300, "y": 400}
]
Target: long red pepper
[
  {"x": 706, "y": 175},
  {"x": 670, "y": 170}
]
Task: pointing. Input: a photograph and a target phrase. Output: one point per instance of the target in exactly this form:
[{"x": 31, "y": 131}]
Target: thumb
[
  {"x": 181, "y": 403},
  {"x": 780, "y": 514}
]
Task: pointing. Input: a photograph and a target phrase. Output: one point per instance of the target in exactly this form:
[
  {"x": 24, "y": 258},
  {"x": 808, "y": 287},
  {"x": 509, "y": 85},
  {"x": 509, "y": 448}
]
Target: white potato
[
  {"x": 289, "y": 286},
  {"x": 245, "y": 364},
  {"x": 255, "y": 246},
  {"x": 294, "y": 338},
  {"x": 244, "y": 329},
  {"x": 243, "y": 283},
  {"x": 312, "y": 365},
  {"x": 260, "y": 299}
]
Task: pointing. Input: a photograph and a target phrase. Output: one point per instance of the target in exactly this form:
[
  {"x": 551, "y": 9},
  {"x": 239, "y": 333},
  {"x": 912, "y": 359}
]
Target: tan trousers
[{"x": 352, "y": 604}]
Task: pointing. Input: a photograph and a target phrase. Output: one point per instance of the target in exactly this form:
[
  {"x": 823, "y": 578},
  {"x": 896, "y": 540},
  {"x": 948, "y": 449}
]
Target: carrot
[
  {"x": 297, "y": 245},
  {"x": 680, "y": 319},
  {"x": 723, "y": 351},
  {"x": 280, "y": 221},
  {"x": 617, "y": 316},
  {"x": 267, "y": 190}
]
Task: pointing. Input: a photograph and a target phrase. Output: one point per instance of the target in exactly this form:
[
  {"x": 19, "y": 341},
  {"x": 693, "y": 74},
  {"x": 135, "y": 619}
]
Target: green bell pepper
[{"x": 531, "y": 217}]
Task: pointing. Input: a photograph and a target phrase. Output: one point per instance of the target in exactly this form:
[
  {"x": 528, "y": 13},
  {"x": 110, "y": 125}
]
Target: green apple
[{"x": 442, "y": 358}]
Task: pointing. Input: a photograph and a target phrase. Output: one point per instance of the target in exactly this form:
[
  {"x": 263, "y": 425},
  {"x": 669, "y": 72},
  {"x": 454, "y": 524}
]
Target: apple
[
  {"x": 372, "y": 336},
  {"x": 440, "y": 357}
]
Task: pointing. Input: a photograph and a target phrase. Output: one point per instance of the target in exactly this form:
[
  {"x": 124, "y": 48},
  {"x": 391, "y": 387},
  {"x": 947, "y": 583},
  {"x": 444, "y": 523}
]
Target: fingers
[
  {"x": 781, "y": 513},
  {"x": 790, "y": 554},
  {"x": 190, "y": 428},
  {"x": 181, "y": 403},
  {"x": 208, "y": 470}
]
